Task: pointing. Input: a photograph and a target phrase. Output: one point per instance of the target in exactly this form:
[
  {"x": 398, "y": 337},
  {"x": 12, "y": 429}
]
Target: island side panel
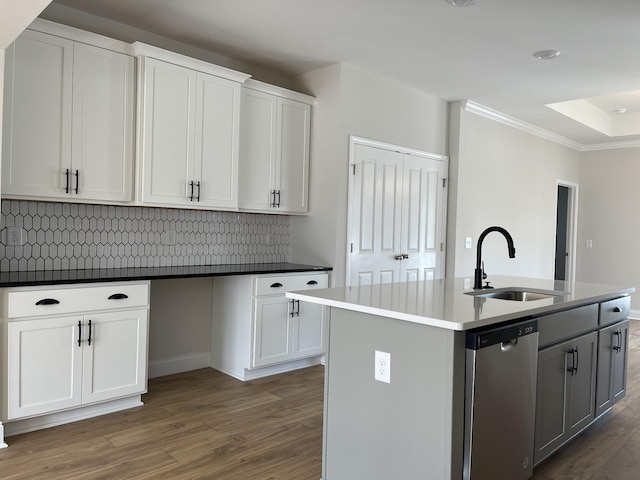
[{"x": 411, "y": 428}]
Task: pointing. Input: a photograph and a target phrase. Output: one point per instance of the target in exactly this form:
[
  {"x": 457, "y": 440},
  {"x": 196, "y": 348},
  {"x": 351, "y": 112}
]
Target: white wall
[
  {"x": 180, "y": 325},
  {"x": 503, "y": 176},
  {"x": 608, "y": 215},
  {"x": 352, "y": 101}
]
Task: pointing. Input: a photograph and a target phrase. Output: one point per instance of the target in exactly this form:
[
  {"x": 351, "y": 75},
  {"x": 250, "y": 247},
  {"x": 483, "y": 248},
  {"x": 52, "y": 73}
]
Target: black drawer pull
[
  {"x": 276, "y": 285},
  {"x": 312, "y": 282},
  {"x": 79, "y": 333},
  {"x": 48, "y": 301},
  {"x": 617, "y": 309},
  {"x": 118, "y": 296},
  {"x": 89, "y": 339}
]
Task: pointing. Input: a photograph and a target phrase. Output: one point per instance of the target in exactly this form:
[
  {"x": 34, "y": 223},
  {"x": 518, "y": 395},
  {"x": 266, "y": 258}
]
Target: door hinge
[
  {"x": 441, "y": 246},
  {"x": 444, "y": 182},
  {"x": 351, "y": 247},
  {"x": 354, "y": 169}
]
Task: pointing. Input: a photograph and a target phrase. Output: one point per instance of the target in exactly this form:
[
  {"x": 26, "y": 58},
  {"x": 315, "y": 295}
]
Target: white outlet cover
[
  {"x": 467, "y": 242},
  {"x": 382, "y": 367}
]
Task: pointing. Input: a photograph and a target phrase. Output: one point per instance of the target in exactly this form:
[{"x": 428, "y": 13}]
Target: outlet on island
[{"x": 382, "y": 367}]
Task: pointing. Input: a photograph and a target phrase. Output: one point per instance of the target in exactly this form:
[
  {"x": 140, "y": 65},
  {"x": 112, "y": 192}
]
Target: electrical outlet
[
  {"x": 170, "y": 237},
  {"x": 270, "y": 239},
  {"x": 467, "y": 283},
  {"x": 383, "y": 367},
  {"x": 467, "y": 242},
  {"x": 589, "y": 243},
  {"x": 14, "y": 236}
]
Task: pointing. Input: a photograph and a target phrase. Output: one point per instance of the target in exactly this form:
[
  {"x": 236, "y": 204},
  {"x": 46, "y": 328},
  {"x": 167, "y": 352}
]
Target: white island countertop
[{"x": 444, "y": 303}]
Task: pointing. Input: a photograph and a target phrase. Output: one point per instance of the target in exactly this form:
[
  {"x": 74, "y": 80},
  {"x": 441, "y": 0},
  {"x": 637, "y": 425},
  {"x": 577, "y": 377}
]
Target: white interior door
[
  {"x": 375, "y": 216},
  {"x": 397, "y": 211}
]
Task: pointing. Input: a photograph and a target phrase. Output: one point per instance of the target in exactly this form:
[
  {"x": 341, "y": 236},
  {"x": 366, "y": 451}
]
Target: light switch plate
[{"x": 467, "y": 242}]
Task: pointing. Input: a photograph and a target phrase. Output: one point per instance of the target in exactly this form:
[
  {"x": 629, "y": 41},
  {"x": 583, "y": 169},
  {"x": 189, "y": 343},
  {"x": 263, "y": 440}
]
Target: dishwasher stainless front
[{"x": 500, "y": 397}]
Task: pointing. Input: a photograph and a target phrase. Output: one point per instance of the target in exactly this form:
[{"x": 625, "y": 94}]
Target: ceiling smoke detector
[
  {"x": 461, "y": 3},
  {"x": 620, "y": 110},
  {"x": 546, "y": 54}
]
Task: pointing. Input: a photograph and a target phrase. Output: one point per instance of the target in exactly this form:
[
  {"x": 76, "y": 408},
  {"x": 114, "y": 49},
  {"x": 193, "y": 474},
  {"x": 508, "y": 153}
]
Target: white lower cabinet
[
  {"x": 257, "y": 331},
  {"x": 65, "y": 358}
]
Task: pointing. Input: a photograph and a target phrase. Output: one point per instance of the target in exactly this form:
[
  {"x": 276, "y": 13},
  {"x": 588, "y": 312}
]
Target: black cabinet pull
[
  {"x": 47, "y": 301},
  {"x": 573, "y": 368},
  {"x": 191, "y": 194},
  {"x": 66, "y": 185},
  {"x": 577, "y": 359},
  {"x": 312, "y": 282},
  {"x": 297, "y": 307},
  {"x": 618, "y": 346},
  {"x": 273, "y": 198},
  {"x": 199, "y": 190},
  {"x": 278, "y": 204},
  {"x": 292, "y": 303},
  {"x": 79, "y": 333},
  {"x": 118, "y": 296},
  {"x": 617, "y": 309},
  {"x": 89, "y": 339},
  {"x": 276, "y": 285},
  {"x": 77, "y": 180}
]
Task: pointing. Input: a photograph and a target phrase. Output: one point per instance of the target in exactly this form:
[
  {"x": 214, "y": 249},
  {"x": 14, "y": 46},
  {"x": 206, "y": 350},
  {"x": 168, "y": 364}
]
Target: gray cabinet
[
  {"x": 612, "y": 365},
  {"x": 565, "y": 392}
]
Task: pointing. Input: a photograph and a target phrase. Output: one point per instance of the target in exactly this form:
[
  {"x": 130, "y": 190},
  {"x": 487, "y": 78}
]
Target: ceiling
[{"x": 482, "y": 53}]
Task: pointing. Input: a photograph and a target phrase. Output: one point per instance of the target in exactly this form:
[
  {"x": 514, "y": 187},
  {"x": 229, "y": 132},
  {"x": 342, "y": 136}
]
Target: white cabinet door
[
  {"x": 292, "y": 153},
  {"x": 309, "y": 330},
  {"x": 103, "y": 124},
  {"x": 257, "y": 150},
  {"x": 44, "y": 366},
  {"x": 115, "y": 353},
  {"x": 167, "y": 132},
  {"x": 272, "y": 330},
  {"x": 37, "y": 115},
  {"x": 216, "y": 143},
  {"x": 274, "y": 153}
]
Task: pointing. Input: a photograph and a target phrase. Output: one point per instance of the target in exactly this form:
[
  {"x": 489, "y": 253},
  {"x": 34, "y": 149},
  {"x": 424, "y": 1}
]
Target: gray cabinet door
[
  {"x": 621, "y": 357},
  {"x": 612, "y": 365},
  {"x": 565, "y": 392},
  {"x": 551, "y": 399},
  {"x": 581, "y": 383}
]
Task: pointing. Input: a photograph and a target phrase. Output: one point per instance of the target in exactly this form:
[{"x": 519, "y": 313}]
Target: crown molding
[{"x": 487, "y": 112}]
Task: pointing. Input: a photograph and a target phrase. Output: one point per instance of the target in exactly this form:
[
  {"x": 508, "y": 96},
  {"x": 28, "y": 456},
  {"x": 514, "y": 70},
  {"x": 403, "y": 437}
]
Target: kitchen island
[{"x": 411, "y": 425}]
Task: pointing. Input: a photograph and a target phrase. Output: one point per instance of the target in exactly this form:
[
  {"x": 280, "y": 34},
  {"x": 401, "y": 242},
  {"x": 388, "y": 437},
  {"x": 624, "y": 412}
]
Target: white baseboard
[
  {"x": 634, "y": 315},
  {"x": 2, "y": 444},
  {"x": 16, "y": 427},
  {"x": 273, "y": 369},
  {"x": 179, "y": 364}
]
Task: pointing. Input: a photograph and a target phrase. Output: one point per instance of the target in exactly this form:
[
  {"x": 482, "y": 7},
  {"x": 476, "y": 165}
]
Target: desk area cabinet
[
  {"x": 256, "y": 331},
  {"x": 66, "y": 347}
]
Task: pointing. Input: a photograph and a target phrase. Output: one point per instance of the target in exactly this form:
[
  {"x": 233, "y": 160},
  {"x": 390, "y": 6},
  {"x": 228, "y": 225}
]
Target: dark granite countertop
[{"x": 56, "y": 277}]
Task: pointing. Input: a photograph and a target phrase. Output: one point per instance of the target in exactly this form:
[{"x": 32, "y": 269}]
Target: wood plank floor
[{"x": 206, "y": 425}]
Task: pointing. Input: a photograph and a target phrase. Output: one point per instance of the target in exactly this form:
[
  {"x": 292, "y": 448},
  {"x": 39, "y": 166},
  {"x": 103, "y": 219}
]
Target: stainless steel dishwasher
[{"x": 500, "y": 397}]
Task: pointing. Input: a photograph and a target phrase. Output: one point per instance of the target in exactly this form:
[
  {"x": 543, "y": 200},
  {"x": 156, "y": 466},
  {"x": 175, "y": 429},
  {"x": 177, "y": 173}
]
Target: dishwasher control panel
[{"x": 487, "y": 338}]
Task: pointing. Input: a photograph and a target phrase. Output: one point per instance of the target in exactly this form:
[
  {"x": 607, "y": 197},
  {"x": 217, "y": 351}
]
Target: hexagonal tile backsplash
[{"x": 78, "y": 236}]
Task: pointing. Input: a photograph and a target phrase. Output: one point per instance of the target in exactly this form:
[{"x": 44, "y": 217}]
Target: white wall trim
[
  {"x": 487, "y": 112},
  {"x": 32, "y": 424},
  {"x": 634, "y": 314},
  {"x": 353, "y": 141},
  {"x": 179, "y": 364},
  {"x": 572, "y": 221}
]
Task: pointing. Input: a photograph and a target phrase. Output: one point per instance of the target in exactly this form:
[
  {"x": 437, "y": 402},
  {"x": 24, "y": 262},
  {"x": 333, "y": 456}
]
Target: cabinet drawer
[
  {"x": 78, "y": 298},
  {"x": 614, "y": 310},
  {"x": 570, "y": 323},
  {"x": 285, "y": 283}
]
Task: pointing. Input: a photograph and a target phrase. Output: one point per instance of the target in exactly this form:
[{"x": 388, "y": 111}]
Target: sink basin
[{"x": 516, "y": 294}]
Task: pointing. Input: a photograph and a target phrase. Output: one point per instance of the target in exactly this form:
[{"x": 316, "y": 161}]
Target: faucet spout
[{"x": 479, "y": 272}]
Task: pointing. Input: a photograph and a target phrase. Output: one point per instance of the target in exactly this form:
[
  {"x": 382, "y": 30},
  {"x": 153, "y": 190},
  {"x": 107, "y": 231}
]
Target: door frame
[
  {"x": 572, "y": 226},
  {"x": 352, "y": 223}
]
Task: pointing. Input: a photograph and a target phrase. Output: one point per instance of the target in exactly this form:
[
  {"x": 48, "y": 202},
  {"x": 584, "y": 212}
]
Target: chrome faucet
[{"x": 479, "y": 273}]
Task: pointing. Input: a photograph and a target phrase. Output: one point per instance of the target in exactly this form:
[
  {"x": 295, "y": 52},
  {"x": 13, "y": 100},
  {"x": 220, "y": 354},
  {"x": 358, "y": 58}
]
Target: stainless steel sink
[{"x": 516, "y": 294}]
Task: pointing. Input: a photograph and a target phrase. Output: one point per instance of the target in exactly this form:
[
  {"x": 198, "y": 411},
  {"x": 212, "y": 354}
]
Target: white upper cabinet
[
  {"x": 274, "y": 149},
  {"x": 68, "y": 118},
  {"x": 189, "y": 122}
]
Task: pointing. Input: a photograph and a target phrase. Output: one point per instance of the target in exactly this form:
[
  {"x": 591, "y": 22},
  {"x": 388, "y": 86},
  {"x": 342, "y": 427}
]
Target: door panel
[
  {"x": 375, "y": 215},
  {"x": 396, "y": 207}
]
